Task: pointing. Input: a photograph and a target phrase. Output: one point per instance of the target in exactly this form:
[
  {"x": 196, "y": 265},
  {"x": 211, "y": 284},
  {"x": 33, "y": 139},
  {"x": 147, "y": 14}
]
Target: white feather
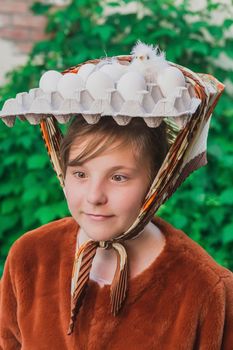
[{"x": 148, "y": 60}]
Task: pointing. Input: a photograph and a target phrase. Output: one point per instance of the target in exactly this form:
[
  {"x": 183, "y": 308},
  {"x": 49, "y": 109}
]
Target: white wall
[{"x": 9, "y": 58}]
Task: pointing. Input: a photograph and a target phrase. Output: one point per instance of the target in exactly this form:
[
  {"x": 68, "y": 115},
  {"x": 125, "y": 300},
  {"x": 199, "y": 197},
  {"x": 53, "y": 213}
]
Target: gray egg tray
[{"x": 149, "y": 104}]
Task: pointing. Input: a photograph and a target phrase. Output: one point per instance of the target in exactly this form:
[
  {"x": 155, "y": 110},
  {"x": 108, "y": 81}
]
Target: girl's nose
[{"x": 96, "y": 194}]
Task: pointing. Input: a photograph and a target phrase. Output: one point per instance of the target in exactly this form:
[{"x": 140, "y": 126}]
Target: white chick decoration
[{"x": 148, "y": 60}]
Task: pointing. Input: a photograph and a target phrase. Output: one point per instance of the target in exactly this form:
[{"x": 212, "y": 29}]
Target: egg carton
[{"x": 149, "y": 104}]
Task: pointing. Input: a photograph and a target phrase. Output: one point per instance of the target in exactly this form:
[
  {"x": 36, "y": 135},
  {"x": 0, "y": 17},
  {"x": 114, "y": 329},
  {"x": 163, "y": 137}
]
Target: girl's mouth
[{"x": 98, "y": 217}]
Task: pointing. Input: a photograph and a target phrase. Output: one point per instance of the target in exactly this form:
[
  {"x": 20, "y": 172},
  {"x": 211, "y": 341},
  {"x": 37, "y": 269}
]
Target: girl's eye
[
  {"x": 80, "y": 174},
  {"x": 119, "y": 178}
]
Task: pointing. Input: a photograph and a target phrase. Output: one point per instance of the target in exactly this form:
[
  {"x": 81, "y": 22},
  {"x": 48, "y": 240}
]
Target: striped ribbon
[{"x": 81, "y": 274}]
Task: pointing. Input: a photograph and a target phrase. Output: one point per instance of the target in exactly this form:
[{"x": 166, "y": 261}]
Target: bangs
[
  {"x": 149, "y": 145},
  {"x": 95, "y": 145}
]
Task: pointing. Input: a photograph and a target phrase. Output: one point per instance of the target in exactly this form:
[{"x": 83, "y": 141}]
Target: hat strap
[{"x": 81, "y": 274}]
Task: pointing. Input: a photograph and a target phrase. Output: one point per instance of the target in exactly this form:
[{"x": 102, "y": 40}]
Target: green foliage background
[{"x": 30, "y": 193}]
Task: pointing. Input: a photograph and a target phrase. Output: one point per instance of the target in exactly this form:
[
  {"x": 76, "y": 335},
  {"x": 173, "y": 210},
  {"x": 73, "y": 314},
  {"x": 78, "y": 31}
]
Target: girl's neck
[{"x": 141, "y": 251}]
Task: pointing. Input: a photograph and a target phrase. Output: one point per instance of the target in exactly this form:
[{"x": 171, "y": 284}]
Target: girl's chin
[
  {"x": 102, "y": 230},
  {"x": 98, "y": 236},
  {"x": 101, "y": 233}
]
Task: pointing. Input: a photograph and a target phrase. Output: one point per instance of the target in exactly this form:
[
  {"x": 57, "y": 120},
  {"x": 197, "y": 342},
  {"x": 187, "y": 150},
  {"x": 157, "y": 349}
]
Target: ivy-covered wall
[{"x": 30, "y": 193}]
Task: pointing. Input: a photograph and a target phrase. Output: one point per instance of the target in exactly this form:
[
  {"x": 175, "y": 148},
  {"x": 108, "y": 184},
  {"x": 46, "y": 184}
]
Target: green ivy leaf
[
  {"x": 228, "y": 233},
  {"x": 226, "y": 196},
  {"x": 104, "y": 31},
  {"x": 113, "y": 4},
  {"x": 36, "y": 162},
  {"x": 227, "y": 23},
  {"x": 8, "y": 222},
  {"x": 40, "y": 8},
  {"x": 8, "y": 206}
]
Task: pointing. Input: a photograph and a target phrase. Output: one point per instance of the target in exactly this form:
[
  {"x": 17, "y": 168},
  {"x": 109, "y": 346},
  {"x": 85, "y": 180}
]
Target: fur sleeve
[
  {"x": 9, "y": 331},
  {"x": 216, "y": 324}
]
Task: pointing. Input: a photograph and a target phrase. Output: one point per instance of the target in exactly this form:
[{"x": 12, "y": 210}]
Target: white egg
[
  {"x": 169, "y": 79},
  {"x": 129, "y": 84},
  {"x": 98, "y": 83},
  {"x": 49, "y": 80},
  {"x": 85, "y": 70},
  {"x": 69, "y": 83},
  {"x": 115, "y": 70}
]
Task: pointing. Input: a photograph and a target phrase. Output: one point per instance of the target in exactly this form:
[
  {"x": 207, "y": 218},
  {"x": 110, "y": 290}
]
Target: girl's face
[{"x": 105, "y": 193}]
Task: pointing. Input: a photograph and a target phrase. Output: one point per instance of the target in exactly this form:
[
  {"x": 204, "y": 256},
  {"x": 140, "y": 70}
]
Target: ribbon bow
[{"x": 81, "y": 274}]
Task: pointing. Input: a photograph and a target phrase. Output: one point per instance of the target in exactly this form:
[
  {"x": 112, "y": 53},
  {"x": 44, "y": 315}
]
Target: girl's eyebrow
[
  {"x": 73, "y": 163},
  {"x": 119, "y": 167}
]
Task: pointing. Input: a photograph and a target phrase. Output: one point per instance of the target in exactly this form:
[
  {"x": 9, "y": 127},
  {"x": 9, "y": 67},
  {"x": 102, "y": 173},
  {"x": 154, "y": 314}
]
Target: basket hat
[{"x": 144, "y": 85}]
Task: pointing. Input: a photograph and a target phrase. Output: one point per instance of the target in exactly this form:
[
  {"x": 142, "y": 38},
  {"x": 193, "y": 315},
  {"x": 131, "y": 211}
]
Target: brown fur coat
[{"x": 183, "y": 301}]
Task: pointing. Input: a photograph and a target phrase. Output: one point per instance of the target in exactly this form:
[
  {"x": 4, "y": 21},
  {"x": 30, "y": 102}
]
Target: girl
[{"x": 137, "y": 282}]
